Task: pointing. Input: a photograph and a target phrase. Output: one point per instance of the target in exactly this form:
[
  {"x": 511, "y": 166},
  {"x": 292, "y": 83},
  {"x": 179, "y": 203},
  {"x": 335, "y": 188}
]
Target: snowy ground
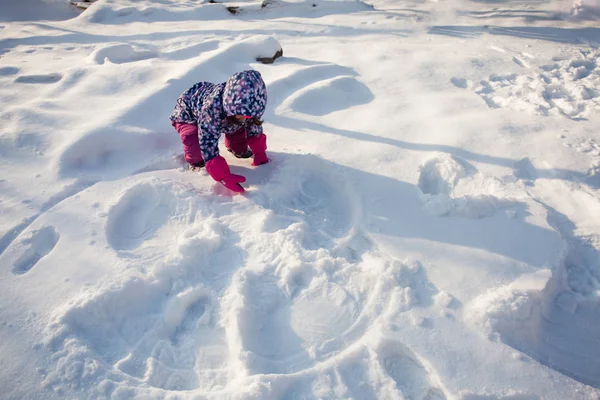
[{"x": 428, "y": 229}]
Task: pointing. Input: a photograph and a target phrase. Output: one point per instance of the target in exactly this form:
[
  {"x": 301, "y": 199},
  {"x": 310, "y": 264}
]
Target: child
[{"x": 233, "y": 108}]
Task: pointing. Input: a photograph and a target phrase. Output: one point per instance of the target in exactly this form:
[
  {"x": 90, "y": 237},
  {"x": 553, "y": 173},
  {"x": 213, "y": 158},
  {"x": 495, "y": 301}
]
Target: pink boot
[
  {"x": 258, "y": 145},
  {"x": 237, "y": 144}
]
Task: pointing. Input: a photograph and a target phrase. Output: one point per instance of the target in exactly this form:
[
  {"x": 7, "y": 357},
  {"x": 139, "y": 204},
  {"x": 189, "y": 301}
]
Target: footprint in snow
[
  {"x": 440, "y": 174},
  {"x": 196, "y": 312},
  {"x": 412, "y": 378},
  {"x": 137, "y": 215},
  {"x": 39, "y": 79},
  {"x": 460, "y": 82},
  {"x": 520, "y": 62},
  {"x": 41, "y": 243},
  {"x": 6, "y": 71}
]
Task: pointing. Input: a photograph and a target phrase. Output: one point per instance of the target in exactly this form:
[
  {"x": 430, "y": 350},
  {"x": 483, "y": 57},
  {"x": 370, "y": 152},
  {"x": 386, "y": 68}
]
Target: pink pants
[{"x": 236, "y": 142}]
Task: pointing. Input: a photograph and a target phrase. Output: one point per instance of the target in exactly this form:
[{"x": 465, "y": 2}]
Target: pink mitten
[
  {"x": 219, "y": 170},
  {"x": 258, "y": 145}
]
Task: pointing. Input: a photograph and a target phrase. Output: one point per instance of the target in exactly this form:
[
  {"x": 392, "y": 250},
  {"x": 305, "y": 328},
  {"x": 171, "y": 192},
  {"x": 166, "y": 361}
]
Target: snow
[{"x": 427, "y": 227}]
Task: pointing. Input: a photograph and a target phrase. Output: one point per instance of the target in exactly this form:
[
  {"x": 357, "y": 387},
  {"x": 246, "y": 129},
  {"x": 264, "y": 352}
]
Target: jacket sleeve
[
  {"x": 210, "y": 126},
  {"x": 253, "y": 129}
]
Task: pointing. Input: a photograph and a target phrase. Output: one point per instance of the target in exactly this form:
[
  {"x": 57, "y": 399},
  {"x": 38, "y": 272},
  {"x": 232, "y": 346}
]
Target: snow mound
[
  {"x": 109, "y": 12},
  {"x": 440, "y": 174},
  {"x": 585, "y": 10},
  {"x": 335, "y": 94},
  {"x": 451, "y": 186},
  {"x": 535, "y": 317},
  {"x": 119, "y": 54},
  {"x": 502, "y": 310},
  {"x": 268, "y": 46},
  {"x": 106, "y": 153},
  {"x": 37, "y": 10}
]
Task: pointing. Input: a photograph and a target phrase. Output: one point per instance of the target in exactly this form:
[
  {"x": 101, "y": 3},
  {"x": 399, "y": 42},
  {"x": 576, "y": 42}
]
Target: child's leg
[
  {"x": 191, "y": 143},
  {"x": 237, "y": 142}
]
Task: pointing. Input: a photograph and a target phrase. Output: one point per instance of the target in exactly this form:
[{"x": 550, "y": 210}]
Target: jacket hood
[{"x": 245, "y": 93}]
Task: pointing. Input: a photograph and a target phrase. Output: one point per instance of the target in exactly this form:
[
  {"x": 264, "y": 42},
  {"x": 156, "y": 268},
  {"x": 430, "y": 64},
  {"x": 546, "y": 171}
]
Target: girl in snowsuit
[{"x": 234, "y": 108}]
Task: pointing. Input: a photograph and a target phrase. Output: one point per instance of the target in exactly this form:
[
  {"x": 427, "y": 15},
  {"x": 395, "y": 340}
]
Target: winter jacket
[{"x": 208, "y": 105}]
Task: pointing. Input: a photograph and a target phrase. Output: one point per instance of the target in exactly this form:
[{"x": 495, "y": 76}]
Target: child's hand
[
  {"x": 219, "y": 170},
  {"x": 232, "y": 182}
]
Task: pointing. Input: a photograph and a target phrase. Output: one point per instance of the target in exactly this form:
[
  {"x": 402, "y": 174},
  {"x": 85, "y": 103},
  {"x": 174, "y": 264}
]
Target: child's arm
[
  {"x": 210, "y": 126},
  {"x": 216, "y": 166}
]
